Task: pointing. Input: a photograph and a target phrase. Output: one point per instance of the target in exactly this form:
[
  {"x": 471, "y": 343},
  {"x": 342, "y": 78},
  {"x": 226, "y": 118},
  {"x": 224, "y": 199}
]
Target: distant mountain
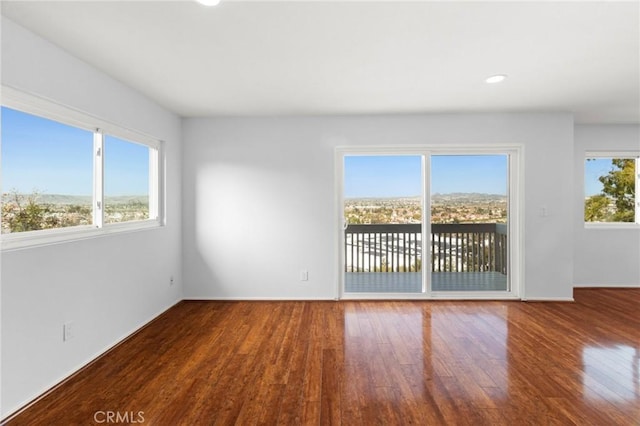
[
  {"x": 65, "y": 199},
  {"x": 469, "y": 196},
  {"x": 416, "y": 198},
  {"x": 454, "y": 196},
  {"x": 84, "y": 199},
  {"x": 127, "y": 199}
]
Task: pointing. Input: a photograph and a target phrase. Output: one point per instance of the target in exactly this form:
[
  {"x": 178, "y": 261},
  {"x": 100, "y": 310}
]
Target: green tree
[
  {"x": 22, "y": 213},
  {"x": 619, "y": 189},
  {"x": 596, "y": 209},
  {"x": 620, "y": 185}
]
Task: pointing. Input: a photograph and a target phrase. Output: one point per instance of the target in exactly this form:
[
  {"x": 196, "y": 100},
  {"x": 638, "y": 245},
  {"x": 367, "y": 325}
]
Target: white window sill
[
  {"x": 22, "y": 240},
  {"x": 611, "y": 225}
]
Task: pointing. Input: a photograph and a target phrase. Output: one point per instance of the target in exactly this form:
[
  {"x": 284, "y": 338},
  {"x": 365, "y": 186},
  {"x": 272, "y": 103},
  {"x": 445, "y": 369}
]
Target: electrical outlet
[
  {"x": 304, "y": 275},
  {"x": 68, "y": 331},
  {"x": 170, "y": 281}
]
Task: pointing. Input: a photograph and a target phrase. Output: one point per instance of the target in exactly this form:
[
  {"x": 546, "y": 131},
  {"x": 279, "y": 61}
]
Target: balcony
[{"x": 388, "y": 258}]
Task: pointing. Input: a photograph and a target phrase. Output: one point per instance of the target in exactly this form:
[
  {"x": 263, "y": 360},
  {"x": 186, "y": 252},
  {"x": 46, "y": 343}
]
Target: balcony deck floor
[{"x": 411, "y": 282}]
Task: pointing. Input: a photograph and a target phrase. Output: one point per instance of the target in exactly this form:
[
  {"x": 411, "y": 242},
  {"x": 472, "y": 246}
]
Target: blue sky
[
  {"x": 43, "y": 155},
  {"x": 592, "y": 170},
  {"x": 53, "y": 158},
  {"x": 400, "y": 176},
  {"x": 126, "y": 168}
]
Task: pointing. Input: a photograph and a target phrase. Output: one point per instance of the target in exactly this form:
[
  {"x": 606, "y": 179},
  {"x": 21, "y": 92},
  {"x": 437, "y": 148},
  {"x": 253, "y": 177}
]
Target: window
[
  {"x": 126, "y": 181},
  {"x": 66, "y": 175},
  {"x": 47, "y": 173},
  {"x": 610, "y": 183}
]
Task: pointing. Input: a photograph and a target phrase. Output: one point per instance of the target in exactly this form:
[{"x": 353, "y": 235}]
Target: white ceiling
[{"x": 271, "y": 58}]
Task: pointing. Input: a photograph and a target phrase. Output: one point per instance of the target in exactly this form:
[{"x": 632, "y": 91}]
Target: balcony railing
[{"x": 473, "y": 247}]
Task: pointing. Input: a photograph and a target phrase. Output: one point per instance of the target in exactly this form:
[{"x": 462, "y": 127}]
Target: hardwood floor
[{"x": 367, "y": 363}]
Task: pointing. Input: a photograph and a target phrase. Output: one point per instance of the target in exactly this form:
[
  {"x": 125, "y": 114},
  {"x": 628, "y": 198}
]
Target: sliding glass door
[{"x": 465, "y": 197}]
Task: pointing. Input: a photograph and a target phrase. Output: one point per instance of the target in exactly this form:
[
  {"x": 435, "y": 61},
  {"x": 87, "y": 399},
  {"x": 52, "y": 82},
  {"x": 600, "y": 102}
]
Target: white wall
[
  {"x": 108, "y": 286},
  {"x": 259, "y": 201},
  {"x": 603, "y": 257}
]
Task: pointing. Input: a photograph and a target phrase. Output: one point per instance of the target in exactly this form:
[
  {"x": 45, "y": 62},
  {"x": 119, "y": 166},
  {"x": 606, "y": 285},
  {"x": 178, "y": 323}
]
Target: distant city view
[
  {"x": 32, "y": 212},
  {"x": 468, "y": 233},
  {"x": 445, "y": 208},
  {"x": 384, "y": 213}
]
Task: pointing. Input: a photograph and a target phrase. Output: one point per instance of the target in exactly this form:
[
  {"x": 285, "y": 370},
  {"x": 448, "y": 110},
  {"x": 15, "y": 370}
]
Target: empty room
[{"x": 320, "y": 212}]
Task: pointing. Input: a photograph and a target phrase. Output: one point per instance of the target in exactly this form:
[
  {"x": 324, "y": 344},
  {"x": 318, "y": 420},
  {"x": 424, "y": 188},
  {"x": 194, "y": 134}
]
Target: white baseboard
[
  {"x": 256, "y": 299},
  {"x": 548, "y": 299},
  {"x": 627, "y": 285}
]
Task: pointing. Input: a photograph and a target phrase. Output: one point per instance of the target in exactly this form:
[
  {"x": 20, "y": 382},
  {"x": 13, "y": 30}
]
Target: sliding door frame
[{"x": 515, "y": 155}]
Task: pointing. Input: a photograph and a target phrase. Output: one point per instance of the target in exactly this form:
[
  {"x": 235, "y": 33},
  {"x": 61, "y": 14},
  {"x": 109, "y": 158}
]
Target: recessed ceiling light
[
  {"x": 209, "y": 2},
  {"x": 496, "y": 78}
]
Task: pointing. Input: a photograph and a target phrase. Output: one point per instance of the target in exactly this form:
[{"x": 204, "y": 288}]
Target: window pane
[
  {"x": 469, "y": 189},
  {"x": 126, "y": 181},
  {"x": 47, "y": 173},
  {"x": 609, "y": 190},
  {"x": 383, "y": 236},
  {"x": 469, "y": 222}
]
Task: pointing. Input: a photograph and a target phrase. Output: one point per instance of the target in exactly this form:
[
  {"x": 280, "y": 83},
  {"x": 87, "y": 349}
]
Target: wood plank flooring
[{"x": 368, "y": 363}]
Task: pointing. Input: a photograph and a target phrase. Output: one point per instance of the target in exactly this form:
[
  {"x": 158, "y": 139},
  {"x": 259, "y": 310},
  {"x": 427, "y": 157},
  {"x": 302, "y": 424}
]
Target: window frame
[
  {"x": 48, "y": 109},
  {"x": 622, "y": 154}
]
